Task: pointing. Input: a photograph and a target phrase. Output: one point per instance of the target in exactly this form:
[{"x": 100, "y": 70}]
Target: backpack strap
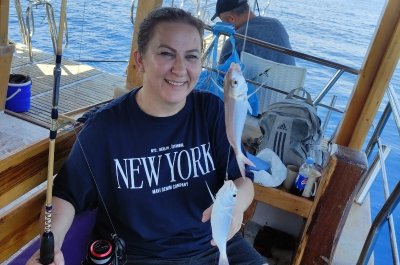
[{"x": 300, "y": 89}]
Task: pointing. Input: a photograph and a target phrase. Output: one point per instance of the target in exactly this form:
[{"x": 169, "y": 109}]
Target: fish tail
[
  {"x": 242, "y": 161},
  {"x": 223, "y": 258}
]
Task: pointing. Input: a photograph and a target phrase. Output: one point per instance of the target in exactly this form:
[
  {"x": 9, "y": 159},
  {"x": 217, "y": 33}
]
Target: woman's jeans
[{"x": 239, "y": 252}]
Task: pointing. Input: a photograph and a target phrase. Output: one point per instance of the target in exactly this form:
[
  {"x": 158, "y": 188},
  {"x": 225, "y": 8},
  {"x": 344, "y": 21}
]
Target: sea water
[{"x": 101, "y": 31}]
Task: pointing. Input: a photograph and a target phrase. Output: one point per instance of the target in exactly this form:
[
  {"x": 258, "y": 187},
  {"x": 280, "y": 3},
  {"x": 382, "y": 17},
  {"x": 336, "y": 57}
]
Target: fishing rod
[{"x": 47, "y": 239}]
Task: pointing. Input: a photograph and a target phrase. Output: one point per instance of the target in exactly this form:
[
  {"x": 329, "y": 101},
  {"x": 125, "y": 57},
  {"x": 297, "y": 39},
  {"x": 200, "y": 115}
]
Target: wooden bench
[{"x": 21, "y": 172}]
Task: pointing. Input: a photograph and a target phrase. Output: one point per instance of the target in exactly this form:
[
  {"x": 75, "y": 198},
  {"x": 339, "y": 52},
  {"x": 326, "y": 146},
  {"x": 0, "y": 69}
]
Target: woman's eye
[
  {"x": 192, "y": 57},
  {"x": 167, "y": 54}
]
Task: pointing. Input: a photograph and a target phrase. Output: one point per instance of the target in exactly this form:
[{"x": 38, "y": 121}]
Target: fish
[
  {"x": 221, "y": 217},
  {"x": 236, "y": 105}
]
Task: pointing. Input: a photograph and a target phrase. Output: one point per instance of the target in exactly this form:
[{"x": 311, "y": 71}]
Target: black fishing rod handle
[{"x": 47, "y": 248}]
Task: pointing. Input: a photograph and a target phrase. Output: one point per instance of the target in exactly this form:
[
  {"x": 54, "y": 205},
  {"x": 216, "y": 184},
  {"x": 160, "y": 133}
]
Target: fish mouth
[{"x": 175, "y": 83}]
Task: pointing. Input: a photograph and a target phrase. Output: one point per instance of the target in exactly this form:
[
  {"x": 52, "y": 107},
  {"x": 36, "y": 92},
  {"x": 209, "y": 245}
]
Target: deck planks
[{"x": 81, "y": 85}]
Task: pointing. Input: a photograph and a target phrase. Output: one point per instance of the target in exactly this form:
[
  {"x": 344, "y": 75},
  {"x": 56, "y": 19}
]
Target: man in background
[{"x": 267, "y": 29}]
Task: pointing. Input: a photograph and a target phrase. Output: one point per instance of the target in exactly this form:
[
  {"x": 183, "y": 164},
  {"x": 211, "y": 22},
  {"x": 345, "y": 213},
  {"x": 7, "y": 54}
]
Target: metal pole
[{"x": 386, "y": 210}]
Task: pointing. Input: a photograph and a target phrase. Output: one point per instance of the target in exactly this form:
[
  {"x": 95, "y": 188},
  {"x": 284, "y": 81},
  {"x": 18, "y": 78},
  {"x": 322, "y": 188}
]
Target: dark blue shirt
[{"x": 151, "y": 173}]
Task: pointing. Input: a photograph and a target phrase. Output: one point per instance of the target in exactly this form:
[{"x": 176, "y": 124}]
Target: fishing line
[
  {"x": 245, "y": 33},
  {"x": 76, "y": 134},
  {"x": 101, "y": 61},
  {"x": 227, "y": 162},
  {"x": 94, "y": 179},
  {"x": 80, "y": 43}
]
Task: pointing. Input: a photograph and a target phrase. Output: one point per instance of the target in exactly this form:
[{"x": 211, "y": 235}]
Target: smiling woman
[
  {"x": 166, "y": 142},
  {"x": 170, "y": 65}
]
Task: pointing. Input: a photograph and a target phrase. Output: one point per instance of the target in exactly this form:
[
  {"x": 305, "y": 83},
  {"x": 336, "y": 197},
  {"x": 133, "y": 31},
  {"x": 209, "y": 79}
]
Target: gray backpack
[{"x": 290, "y": 128}]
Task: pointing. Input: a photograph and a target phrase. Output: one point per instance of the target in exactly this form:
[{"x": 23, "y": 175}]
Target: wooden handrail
[{"x": 378, "y": 67}]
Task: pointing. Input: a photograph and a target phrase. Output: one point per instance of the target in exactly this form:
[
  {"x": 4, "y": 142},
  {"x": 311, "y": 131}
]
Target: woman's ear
[{"x": 138, "y": 61}]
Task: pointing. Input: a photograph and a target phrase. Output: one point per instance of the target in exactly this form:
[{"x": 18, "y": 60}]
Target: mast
[
  {"x": 377, "y": 69},
  {"x": 6, "y": 52},
  {"x": 134, "y": 78}
]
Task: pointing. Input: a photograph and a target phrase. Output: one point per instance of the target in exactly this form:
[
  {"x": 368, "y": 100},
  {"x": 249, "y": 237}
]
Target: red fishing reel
[
  {"x": 100, "y": 252},
  {"x": 105, "y": 252}
]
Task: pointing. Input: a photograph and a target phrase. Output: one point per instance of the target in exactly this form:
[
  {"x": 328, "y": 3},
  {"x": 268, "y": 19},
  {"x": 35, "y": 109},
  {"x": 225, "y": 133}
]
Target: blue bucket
[{"x": 19, "y": 93}]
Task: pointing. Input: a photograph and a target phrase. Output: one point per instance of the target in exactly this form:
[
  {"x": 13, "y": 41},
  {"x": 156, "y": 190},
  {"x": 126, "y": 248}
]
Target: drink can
[{"x": 301, "y": 182}]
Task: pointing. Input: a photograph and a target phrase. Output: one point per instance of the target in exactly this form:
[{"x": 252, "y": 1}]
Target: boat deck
[{"x": 81, "y": 87}]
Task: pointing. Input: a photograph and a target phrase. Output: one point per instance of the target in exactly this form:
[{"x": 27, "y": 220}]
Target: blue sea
[{"x": 339, "y": 31}]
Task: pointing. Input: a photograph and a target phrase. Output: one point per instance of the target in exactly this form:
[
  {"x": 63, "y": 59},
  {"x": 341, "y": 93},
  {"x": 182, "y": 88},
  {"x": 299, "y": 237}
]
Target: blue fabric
[
  {"x": 259, "y": 163},
  {"x": 212, "y": 81},
  {"x": 223, "y": 27},
  {"x": 151, "y": 172}
]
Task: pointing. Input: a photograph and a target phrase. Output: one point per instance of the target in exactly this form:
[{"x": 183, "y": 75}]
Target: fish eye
[
  {"x": 234, "y": 195},
  {"x": 235, "y": 82}
]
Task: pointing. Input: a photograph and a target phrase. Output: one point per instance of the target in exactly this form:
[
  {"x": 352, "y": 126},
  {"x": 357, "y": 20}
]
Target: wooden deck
[
  {"x": 24, "y": 138},
  {"x": 81, "y": 85}
]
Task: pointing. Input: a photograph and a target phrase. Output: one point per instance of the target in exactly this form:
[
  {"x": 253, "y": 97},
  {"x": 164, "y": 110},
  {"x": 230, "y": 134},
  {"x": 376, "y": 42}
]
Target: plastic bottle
[{"x": 305, "y": 171}]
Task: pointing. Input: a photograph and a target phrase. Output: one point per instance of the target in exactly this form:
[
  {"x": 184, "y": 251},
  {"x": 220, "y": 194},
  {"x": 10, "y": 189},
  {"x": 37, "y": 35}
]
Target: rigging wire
[
  {"x": 80, "y": 43},
  {"x": 245, "y": 33}
]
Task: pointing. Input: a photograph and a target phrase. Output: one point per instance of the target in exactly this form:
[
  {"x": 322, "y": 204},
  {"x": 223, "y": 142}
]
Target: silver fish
[
  {"x": 236, "y": 107},
  {"x": 221, "y": 217}
]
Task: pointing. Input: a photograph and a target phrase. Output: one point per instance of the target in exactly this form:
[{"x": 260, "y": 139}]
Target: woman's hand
[{"x": 58, "y": 258}]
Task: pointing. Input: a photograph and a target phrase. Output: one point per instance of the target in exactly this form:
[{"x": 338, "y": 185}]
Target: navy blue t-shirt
[{"x": 151, "y": 173}]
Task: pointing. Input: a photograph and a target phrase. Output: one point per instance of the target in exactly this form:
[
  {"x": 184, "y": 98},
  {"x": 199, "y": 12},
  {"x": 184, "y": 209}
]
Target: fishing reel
[{"x": 106, "y": 252}]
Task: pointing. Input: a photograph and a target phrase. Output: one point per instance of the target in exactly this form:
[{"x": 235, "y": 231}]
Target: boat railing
[
  {"x": 340, "y": 68},
  {"x": 378, "y": 165},
  {"x": 392, "y": 107}
]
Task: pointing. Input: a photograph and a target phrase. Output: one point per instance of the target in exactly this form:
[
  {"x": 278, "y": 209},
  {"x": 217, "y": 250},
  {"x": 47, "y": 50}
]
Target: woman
[{"x": 150, "y": 153}]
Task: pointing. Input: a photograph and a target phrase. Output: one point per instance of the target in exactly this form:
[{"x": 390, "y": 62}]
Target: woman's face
[{"x": 171, "y": 64}]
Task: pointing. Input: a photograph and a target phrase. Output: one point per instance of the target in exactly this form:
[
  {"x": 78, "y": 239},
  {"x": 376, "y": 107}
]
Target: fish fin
[
  {"x": 255, "y": 91},
  {"x": 212, "y": 196},
  {"x": 250, "y": 109}
]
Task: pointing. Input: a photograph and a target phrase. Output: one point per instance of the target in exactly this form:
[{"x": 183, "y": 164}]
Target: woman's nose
[{"x": 179, "y": 66}]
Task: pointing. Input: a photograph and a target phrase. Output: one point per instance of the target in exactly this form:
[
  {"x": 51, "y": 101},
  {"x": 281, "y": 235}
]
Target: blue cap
[
  {"x": 227, "y": 5},
  {"x": 309, "y": 160}
]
